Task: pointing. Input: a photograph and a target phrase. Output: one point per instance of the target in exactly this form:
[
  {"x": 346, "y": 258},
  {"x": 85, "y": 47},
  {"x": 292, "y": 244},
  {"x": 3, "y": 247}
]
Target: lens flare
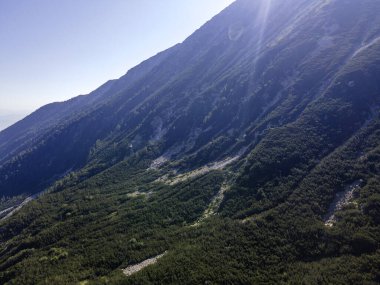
[{"x": 261, "y": 24}]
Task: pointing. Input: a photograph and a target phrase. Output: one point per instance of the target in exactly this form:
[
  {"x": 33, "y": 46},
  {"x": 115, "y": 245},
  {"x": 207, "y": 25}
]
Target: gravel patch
[{"x": 140, "y": 266}]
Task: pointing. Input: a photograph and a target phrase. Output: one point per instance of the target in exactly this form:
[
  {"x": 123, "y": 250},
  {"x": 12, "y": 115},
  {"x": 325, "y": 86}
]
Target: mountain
[
  {"x": 8, "y": 118},
  {"x": 248, "y": 154}
]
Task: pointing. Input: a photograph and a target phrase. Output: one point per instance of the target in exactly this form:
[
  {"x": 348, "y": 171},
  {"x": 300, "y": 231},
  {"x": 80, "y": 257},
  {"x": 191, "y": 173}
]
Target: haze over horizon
[{"x": 52, "y": 52}]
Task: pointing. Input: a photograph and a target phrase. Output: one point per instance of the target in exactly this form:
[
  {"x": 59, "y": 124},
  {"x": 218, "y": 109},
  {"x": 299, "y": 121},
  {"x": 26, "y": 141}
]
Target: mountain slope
[
  {"x": 46, "y": 135},
  {"x": 226, "y": 151}
]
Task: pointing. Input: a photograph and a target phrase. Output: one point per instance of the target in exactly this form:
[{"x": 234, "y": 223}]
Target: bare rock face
[
  {"x": 137, "y": 267},
  {"x": 342, "y": 199}
]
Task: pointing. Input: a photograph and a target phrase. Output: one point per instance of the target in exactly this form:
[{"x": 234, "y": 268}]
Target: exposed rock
[
  {"x": 198, "y": 172},
  {"x": 214, "y": 205},
  {"x": 342, "y": 199},
  {"x": 137, "y": 267}
]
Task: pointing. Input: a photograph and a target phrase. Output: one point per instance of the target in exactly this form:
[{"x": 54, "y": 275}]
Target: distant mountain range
[
  {"x": 8, "y": 118},
  {"x": 248, "y": 154}
]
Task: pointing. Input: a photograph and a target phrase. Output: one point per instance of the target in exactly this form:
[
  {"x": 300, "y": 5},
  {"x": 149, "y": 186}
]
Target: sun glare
[{"x": 261, "y": 24}]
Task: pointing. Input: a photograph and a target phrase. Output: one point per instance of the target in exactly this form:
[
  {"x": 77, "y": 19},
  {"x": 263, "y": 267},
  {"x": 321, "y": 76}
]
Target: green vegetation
[{"x": 94, "y": 229}]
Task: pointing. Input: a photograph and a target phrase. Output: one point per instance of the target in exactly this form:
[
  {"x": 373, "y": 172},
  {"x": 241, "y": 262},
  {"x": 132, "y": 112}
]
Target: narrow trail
[{"x": 130, "y": 270}]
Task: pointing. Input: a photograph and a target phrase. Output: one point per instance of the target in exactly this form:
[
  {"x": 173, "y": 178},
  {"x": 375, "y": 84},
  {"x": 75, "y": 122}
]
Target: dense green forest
[{"x": 99, "y": 228}]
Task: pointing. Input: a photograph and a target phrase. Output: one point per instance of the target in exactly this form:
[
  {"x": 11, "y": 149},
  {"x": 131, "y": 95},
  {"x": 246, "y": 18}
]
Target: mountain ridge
[{"x": 226, "y": 152}]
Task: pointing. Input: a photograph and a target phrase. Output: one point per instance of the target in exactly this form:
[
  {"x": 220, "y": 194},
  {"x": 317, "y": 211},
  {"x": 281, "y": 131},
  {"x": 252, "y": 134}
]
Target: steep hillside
[
  {"x": 248, "y": 154},
  {"x": 57, "y": 138}
]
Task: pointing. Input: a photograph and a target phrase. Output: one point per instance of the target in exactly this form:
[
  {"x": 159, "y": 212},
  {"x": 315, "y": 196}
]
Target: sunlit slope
[{"x": 255, "y": 66}]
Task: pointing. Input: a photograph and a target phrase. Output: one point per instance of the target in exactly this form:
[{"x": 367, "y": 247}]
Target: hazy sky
[{"x": 52, "y": 50}]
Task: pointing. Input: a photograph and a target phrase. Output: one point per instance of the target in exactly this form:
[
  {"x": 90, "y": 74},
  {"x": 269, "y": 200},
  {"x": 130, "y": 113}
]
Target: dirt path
[{"x": 140, "y": 266}]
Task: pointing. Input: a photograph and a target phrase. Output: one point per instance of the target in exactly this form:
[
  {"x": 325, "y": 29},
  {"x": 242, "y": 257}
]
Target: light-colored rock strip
[
  {"x": 198, "y": 172},
  {"x": 6, "y": 211},
  {"x": 18, "y": 208},
  {"x": 140, "y": 266},
  {"x": 365, "y": 46},
  {"x": 341, "y": 199},
  {"x": 137, "y": 194},
  {"x": 214, "y": 205}
]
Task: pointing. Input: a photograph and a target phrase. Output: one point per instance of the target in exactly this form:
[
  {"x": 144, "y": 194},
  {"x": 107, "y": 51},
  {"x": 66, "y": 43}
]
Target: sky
[{"x": 53, "y": 50}]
